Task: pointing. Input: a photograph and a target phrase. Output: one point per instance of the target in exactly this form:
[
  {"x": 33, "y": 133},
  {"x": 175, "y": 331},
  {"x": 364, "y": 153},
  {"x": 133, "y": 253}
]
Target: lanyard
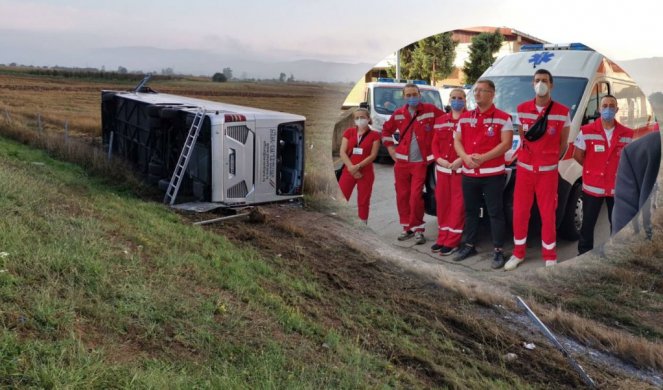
[{"x": 361, "y": 138}]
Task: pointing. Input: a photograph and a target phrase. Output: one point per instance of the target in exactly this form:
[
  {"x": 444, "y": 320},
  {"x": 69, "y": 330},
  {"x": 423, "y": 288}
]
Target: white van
[
  {"x": 385, "y": 95},
  {"x": 242, "y": 156},
  {"x": 581, "y": 77}
]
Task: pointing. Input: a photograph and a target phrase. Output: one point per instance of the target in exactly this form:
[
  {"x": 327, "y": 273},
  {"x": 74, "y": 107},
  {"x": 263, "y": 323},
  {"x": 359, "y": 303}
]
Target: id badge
[
  {"x": 357, "y": 151},
  {"x": 599, "y": 148}
]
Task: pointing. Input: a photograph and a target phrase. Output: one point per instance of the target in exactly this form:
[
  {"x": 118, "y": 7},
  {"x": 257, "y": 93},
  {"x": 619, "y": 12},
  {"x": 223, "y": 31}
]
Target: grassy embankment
[{"x": 105, "y": 290}]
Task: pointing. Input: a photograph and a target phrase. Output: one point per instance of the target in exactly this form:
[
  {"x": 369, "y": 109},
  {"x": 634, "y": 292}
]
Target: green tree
[
  {"x": 432, "y": 58},
  {"x": 219, "y": 77},
  {"x": 482, "y": 55},
  {"x": 282, "y": 77}
]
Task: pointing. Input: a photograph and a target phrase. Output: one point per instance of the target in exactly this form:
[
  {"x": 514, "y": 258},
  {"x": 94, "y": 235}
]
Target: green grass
[{"x": 103, "y": 290}]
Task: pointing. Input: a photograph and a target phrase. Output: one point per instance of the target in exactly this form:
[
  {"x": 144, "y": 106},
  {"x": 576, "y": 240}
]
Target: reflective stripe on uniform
[
  {"x": 596, "y": 190},
  {"x": 467, "y": 120},
  {"x": 557, "y": 117},
  {"x": 548, "y": 246},
  {"x": 387, "y": 139},
  {"x": 448, "y": 229},
  {"x": 399, "y": 117},
  {"x": 484, "y": 170},
  {"x": 594, "y": 137},
  {"x": 491, "y": 170},
  {"x": 542, "y": 168},
  {"x": 425, "y": 116},
  {"x": 430, "y": 157},
  {"x": 448, "y": 171},
  {"x": 439, "y": 125},
  {"x": 496, "y": 121},
  {"x": 422, "y": 226},
  {"x": 519, "y": 242},
  {"x": 524, "y": 115},
  {"x": 401, "y": 156}
]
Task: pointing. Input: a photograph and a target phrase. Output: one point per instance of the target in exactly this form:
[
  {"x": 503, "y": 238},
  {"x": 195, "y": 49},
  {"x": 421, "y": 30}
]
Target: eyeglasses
[{"x": 483, "y": 90}]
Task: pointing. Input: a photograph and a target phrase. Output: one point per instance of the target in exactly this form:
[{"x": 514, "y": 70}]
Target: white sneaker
[
  {"x": 512, "y": 263},
  {"x": 551, "y": 263}
]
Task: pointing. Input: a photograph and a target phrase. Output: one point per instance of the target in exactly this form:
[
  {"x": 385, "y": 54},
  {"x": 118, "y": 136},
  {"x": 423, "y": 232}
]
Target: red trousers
[
  {"x": 364, "y": 189},
  {"x": 410, "y": 178},
  {"x": 450, "y": 208},
  {"x": 544, "y": 185}
]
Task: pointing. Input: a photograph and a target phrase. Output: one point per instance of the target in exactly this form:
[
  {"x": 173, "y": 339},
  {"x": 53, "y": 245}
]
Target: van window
[
  {"x": 395, "y": 97},
  {"x": 513, "y": 90},
  {"x": 632, "y": 104},
  {"x": 592, "y": 112}
]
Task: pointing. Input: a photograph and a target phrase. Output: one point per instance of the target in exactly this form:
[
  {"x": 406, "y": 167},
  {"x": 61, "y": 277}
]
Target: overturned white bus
[{"x": 206, "y": 151}]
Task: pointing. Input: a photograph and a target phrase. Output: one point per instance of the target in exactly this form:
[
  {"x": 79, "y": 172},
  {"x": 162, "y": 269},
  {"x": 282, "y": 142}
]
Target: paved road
[{"x": 383, "y": 219}]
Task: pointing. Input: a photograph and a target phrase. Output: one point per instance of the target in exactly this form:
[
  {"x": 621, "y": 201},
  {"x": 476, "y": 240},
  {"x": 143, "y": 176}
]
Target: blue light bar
[
  {"x": 579, "y": 46},
  {"x": 555, "y": 46},
  {"x": 532, "y": 47},
  {"x": 385, "y": 80},
  {"x": 419, "y": 82}
]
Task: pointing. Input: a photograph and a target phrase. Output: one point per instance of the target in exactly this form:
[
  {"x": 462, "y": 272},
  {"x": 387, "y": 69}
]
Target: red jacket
[
  {"x": 480, "y": 133},
  {"x": 600, "y": 166},
  {"x": 366, "y": 145},
  {"x": 545, "y": 151},
  {"x": 421, "y": 128},
  {"x": 443, "y": 140}
]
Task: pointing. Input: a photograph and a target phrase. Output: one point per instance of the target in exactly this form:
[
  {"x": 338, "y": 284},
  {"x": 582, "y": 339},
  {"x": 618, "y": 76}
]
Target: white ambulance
[
  {"x": 581, "y": 77},
  {"x": 385, "y": 95}
]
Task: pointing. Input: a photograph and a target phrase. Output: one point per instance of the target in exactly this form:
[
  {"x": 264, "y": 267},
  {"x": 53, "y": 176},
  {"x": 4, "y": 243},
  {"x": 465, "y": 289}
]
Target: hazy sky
[{"x": 335, "y": 30}]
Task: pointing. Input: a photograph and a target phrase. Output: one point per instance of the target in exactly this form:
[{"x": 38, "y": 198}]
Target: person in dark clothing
[{"x": 636, "y": 177}]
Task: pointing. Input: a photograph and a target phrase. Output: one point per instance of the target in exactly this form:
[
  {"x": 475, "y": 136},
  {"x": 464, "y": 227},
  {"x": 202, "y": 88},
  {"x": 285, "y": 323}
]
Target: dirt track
[{"x": 347, "y": 264}]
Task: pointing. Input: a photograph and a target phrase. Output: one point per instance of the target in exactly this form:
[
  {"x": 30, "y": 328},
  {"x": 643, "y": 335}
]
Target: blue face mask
[
  {"x": 413, "y": 101},
  {"x": 608, "y": 113},
  {"x": 457, "y": 104}
]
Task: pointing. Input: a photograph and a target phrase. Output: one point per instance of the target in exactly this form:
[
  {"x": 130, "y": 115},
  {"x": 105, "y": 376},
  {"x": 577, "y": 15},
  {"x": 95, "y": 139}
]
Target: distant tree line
[
  {"x": 227, "y": 75},
  {"x": 92, "y": 73}
]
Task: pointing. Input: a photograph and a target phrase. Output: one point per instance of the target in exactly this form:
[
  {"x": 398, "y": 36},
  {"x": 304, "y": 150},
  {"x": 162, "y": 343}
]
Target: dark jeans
[
  {"x": 490, "y": 189},
  {"x": 591, "y": 207}
]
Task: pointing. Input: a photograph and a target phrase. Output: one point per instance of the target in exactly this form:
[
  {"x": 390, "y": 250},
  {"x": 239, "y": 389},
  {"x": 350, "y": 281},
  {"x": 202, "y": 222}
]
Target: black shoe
[
  {"x": 406, "y": 235},
  {"x": 436, "y": 248},
  {"x": 465, "y": 252},
  {"x": 446, "y": 251},
  {"x": 498, "y": 260}
]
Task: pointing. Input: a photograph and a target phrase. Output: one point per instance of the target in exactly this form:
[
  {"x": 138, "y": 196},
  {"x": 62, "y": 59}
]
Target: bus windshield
[
  {"x": 513, "y": 90},
  {"x": 388, "y": 99}
]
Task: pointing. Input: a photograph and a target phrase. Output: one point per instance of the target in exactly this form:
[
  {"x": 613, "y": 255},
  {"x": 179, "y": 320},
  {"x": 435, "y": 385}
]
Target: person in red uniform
[
  {"x": 408, "y": 135},
  {"x": 482, "y": 137},
  {"x": 449, "y": 189},
  {"x": 598, "y": 148},
  {"x": 359, "y": 148},
  {"x": 537, "y": 168}
]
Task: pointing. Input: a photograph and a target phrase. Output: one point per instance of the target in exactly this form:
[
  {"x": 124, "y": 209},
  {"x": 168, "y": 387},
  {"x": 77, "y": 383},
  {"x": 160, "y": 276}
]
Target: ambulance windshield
[
  {"x": 513, "y": 90},
  {"x": 388, "y": 99}
]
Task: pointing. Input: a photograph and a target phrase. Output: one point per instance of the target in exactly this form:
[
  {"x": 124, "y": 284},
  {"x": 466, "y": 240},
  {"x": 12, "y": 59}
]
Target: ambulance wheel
[{"x": 572, "y": 222}]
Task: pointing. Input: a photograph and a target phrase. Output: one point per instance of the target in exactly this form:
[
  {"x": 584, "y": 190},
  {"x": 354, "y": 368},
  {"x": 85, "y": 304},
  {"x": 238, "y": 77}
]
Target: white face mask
[
  {"x": 541, "y": 89},
  {"x": 361, "y": 122}
]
